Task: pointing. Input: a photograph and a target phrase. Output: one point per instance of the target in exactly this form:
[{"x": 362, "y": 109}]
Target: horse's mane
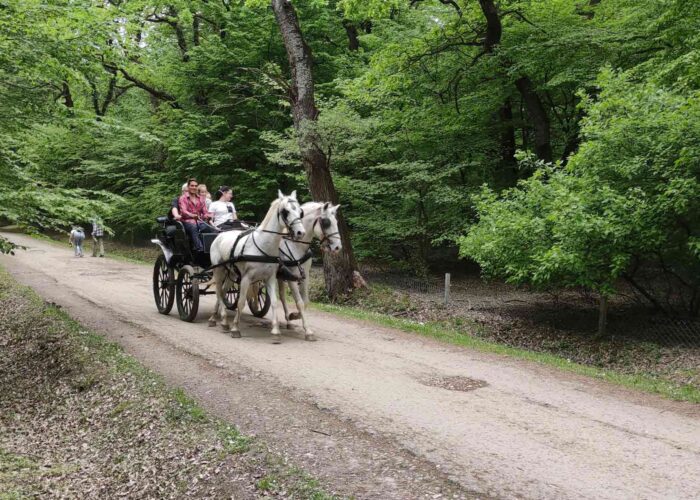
[
  {"x": 270, "y": 213},
  {"x": 312, "y": 205}
]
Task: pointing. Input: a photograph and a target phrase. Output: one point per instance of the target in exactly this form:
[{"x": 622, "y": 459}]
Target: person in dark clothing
[{"x": 174, "y": 212}]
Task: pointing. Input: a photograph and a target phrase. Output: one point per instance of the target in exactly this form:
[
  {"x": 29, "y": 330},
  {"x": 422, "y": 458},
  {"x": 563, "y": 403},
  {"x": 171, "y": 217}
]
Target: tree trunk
[
  {"x": 602, "y": 316},
  {"x": 351, "y": 30},
  {"x": 538, "y": 116},
  {"x": 339, "y": 270},
  {"x": 67, "y": 96},
  {"x": 509, "y": 167},
  {"x": 533, "y": 104}
]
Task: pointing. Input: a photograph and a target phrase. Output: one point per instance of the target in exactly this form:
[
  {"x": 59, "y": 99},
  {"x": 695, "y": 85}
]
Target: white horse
[
  {"x": 321, "y": 222},
  {"x": 283, "y": 217}
]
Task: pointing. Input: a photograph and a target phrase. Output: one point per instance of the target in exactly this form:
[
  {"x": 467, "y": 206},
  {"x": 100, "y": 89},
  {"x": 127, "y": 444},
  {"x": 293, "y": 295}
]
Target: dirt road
[{"x": 365, "y": 409}]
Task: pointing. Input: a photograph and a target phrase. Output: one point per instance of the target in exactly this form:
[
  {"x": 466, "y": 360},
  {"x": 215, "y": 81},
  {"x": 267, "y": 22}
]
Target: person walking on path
[
  {"x": 76, "y": 238},
  {"x": 98, "y": 233}
]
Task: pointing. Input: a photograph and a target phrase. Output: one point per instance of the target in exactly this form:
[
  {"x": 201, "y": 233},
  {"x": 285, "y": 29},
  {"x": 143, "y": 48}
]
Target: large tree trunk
[
  {"x": 509, "y": 167},
  {"x": 533, "y": 104},
  {"x": 538, "y": 116},
  {"x": 338, "y": 269},
  {"x": 351, "y": 30}
]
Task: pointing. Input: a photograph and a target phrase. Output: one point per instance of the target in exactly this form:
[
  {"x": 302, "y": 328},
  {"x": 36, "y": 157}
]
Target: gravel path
[{"x": 378, "y": 413}]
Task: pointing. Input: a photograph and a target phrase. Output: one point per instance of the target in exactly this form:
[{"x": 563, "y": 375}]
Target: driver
[{"x": 193, "y": 213}]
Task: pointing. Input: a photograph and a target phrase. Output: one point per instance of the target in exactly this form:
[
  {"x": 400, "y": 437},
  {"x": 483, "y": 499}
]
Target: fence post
[{"x": 447, "y": 288}]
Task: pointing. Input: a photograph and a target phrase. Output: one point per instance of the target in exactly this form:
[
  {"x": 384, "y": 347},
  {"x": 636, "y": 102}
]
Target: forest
[{"x": 553, "y": 143}]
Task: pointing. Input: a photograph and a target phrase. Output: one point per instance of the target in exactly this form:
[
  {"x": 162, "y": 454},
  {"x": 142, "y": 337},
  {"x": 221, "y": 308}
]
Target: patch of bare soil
[
  {"x": 455, "y": 383},
  {"x": 80, "y": 419}
]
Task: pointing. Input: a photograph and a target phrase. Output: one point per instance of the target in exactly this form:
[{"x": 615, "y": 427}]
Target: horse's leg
[
  {"x": 305, "y": 283},
  {"x": 220, "y": 281},
  {"x": 308, "y": 334},
  {"x": 283, "y": 299},
  {"x": 272, "y": 290},
  {"x": 242, "y": 294},
  {"x": 217, "y": 285}
]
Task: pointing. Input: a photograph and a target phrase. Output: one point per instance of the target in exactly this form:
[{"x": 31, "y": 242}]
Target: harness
[
  {"x": 287, "y": 258},
  {"x": 284, "y": 272}
]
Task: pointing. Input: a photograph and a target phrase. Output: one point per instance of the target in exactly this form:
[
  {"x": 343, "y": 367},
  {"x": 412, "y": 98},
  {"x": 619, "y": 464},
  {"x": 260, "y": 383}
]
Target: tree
[{"x": 339, "y": 270}]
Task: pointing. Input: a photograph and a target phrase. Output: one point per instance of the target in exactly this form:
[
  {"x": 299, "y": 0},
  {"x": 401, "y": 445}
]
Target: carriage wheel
[
  {"x": 187, "y": 294},
  {"x": 231, "y": 297},
  {"x": 259, "y": 304},
  {"x": 163, "y": 285}
]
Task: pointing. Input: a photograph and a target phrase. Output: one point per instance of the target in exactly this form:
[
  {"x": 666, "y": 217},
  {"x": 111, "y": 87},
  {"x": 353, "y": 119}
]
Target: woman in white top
[{"x": 222, "y": 210}]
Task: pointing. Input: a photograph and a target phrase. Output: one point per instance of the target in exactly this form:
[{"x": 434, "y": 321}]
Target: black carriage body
[{"x": 174, "y": 275}]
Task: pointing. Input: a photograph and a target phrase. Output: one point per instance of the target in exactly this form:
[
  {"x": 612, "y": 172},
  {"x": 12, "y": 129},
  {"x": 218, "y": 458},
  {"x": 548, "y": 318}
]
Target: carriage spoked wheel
[
  {"x": 259, "y": 303},
  {"x": 231, "y": 297},
  {"x": 187, "y": 294},
  {"x": 163, "y": 285}
]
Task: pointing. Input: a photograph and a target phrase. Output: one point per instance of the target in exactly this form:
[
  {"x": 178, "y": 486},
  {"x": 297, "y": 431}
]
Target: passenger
[
  {"x": 202, "y": 190},
  {"x": 193, "y": 213},
  {"x": 174, "y": 213},
  {"x": 222, "y": 210}
]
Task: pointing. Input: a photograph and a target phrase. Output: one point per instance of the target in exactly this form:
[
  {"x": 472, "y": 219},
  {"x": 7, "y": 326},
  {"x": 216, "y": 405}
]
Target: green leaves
[{"x": 631, "y": 193}]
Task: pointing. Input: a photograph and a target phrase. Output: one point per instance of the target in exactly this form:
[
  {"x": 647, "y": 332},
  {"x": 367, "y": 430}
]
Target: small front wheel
[
  {"x": 231, "y": 297},
  {"x": 163, "y": 285},
  {"x": 187, "y": 294},
  {"x": 259, "y": 300}
]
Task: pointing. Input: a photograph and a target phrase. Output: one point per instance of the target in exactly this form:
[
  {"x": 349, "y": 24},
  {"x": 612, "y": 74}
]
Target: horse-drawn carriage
[
  {"x": 180, "y": 276},
  {"x": 252, "y": 261}
]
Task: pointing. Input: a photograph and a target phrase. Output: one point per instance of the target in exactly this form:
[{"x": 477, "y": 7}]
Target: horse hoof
[
  {"x": 294, "y": 315},
  {"x": 310, "y": 337},
  {"x": 276, "y": 338},
  {"x": 235, "y": 335},
  {"x": 212, "y": 322}
]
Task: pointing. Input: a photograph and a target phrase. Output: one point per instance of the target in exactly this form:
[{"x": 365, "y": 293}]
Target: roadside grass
[
  {"x": 446, "y": 332},
  {"x": 375, "y": 307},
  {"x": 80, "y": 417}
]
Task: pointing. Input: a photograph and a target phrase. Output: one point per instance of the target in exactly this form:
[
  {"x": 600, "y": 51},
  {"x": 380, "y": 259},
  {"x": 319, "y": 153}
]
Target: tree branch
[{"x": 157, "y": 93}]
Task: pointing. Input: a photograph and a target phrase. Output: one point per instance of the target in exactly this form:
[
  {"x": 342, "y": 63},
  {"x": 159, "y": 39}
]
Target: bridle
[
  {"x": 282, "y": 215},
  {"x": 325, "y": 223}
]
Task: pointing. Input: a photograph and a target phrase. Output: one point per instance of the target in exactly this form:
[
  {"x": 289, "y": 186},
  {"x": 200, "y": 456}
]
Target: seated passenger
[
  {"x": 174, "y": 213},
  {"x": 203, "y": 192},
  {"x": 193, "y": 213},
  {"x": 222, "y": 210}
]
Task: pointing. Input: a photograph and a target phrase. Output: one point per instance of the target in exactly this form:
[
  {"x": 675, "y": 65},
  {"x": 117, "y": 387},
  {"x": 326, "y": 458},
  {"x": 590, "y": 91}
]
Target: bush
[{"x": 630, "y": 196}]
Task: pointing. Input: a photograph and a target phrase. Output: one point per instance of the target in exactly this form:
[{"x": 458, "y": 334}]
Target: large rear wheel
[
  {"x": 259, "y": 300},
  {"x": 163, "y": 285},
  {"x": 187, "y": 294}
]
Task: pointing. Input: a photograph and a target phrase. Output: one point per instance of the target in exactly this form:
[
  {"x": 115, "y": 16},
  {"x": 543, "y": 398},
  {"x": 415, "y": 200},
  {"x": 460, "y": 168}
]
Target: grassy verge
[
  {"x": 81, "y": 418},
  {"x": 447, "y": 333}
]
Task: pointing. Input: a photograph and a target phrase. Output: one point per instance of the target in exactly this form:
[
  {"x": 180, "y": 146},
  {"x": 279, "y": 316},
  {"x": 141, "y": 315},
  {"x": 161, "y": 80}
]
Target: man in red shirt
[{"x": 193, "y": 213}]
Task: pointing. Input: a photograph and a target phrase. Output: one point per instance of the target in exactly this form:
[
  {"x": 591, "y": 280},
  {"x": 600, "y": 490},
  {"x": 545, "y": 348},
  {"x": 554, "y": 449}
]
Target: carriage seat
[{"x": 208, "y": 235}]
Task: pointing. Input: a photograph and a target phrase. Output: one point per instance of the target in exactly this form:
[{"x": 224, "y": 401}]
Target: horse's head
[
  {"x": 326, "y": 228},
  {"x": 290, "y": 214}
]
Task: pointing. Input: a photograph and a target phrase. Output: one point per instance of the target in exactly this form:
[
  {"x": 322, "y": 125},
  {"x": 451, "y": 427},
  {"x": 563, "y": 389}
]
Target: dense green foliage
[{"x": 107, "y": 107}]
